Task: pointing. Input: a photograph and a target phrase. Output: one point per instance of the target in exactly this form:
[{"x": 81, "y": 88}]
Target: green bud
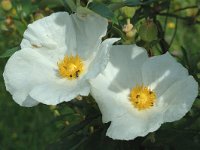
[
  {"x": 38, "y": 16},
  {"x": 148, "y": 31},
  {"x": 128, "y": 12},
  {"x": 6, "y": 5}
]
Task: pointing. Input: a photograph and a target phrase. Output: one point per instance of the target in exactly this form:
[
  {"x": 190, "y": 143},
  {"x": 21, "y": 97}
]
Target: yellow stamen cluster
[
  {"x": 142, "y": 98},
  {"x": 71, "y": 67}
]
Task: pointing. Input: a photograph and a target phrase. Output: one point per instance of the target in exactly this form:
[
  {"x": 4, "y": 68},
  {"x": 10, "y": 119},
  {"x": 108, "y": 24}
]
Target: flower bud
[
  {"x": 127, "y": 27},
  {"x": 128, "y": 12},
  {"x": 130, "y": 31},
  {"x": 13, "y": 12},
  {"x": 130, "y": 34},
  {"x": 170, "y": 25},
  {"x": 6, "y": 5},
  {"x": 80, "y": 98},
  {"x": 38, "y": 16},
  {"x": 148, "y": 31},
  {"x": 9, "y": 21}
]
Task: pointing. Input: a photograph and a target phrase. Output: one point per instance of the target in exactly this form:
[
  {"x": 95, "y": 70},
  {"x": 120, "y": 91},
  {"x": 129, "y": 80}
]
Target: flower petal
[
  {"x": 160, "y": 72},
  {"x": 29, "y": 102},
  {"x": 60, "y": 34},
  {"x": 24, "y": 70},
  {"x": 53, "y": 36},
  {"x": 52, "y": 32},
  {"x": 178, "y": 99},
  {"x": 89, "y": 30},
  {"x": 106, "y": 98},
  {"x": 130, "y": 125},
  {"x": 101, "y": 58},
  {"x": 126, "y": 62},
  {"x": 56, "y": 92}
]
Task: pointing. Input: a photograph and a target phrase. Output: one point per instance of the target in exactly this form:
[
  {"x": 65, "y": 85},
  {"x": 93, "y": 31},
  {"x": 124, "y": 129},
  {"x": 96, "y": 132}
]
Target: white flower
[
  {"x": 59, "y": 55},
  {"x": 137, "y": 94}
]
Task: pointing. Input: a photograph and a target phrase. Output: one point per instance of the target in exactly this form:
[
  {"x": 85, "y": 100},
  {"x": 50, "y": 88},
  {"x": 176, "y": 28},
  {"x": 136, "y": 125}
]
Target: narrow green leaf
[
  {"x": 133, "y": 2},
  {"x": 71, "y": 4},
  {"x": 115, "y": 6},
  {"x": 9, "y": 52},
  {"x": 102, "y": 10},
  {"x": 185, "y": 56},
  {"x": 138, "y": 2}
]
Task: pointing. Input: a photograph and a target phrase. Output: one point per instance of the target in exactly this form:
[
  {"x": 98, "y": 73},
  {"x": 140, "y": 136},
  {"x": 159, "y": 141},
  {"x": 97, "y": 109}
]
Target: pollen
[
  {"x": 142, "y": 97},
  {"x": 71, "y": 67}
]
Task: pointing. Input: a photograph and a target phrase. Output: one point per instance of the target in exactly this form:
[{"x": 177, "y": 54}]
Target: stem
[
  {"x": 174, "y": 34},
  {"x": 184, "y": 8},
  {"x": 166, "y": 19},
  {"x": 163, "y": 44}
]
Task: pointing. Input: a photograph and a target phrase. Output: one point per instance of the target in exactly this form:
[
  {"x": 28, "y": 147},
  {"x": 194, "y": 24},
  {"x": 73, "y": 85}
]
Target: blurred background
[{"x": 40, "y": 127}]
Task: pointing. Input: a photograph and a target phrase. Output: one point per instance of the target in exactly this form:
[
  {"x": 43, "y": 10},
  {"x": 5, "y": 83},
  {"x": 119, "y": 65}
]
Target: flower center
[
  {"x": 71, "y": 67},
  {"x": 142, "y": 98}
]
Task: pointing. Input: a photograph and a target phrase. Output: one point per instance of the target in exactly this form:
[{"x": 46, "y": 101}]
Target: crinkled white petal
[
  {"x": 128, "y": 60},
  {"x": 178, "y": 99},
  {"x": 60, "y": 34},
  {"x": 24, "y": 70},
  {"x": 160, "y": 72},
  {"x": 56, "y": 92},
  {"x": 130, "y": 125},
  {"x": 107, "y": 97},
  {"x": 55, "y": 32},
  {"x": 53, "y": 36},
  {"x": 100, "y": 59},
  {"x": 89, "y": 31}
]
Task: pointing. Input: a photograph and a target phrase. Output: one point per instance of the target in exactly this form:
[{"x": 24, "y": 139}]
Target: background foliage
[{"x": 77, "y": 125}]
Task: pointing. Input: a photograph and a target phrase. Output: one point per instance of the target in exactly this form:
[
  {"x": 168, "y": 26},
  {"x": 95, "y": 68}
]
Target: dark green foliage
[{"x": 103, "y": 10}]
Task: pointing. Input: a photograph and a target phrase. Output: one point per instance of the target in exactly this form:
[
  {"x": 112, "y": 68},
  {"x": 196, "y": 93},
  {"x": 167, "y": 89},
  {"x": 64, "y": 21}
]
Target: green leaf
[
  {"x": 133, "y": 2},
  {"x": 9, "y": 52},
  {"x": 27, "y": 7},
  {"x": 50, "y": 3},
  {"x": 70, "y": 4},
  {"x": 138, "y": 2},
  {"x": 102, "y": 10}
]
